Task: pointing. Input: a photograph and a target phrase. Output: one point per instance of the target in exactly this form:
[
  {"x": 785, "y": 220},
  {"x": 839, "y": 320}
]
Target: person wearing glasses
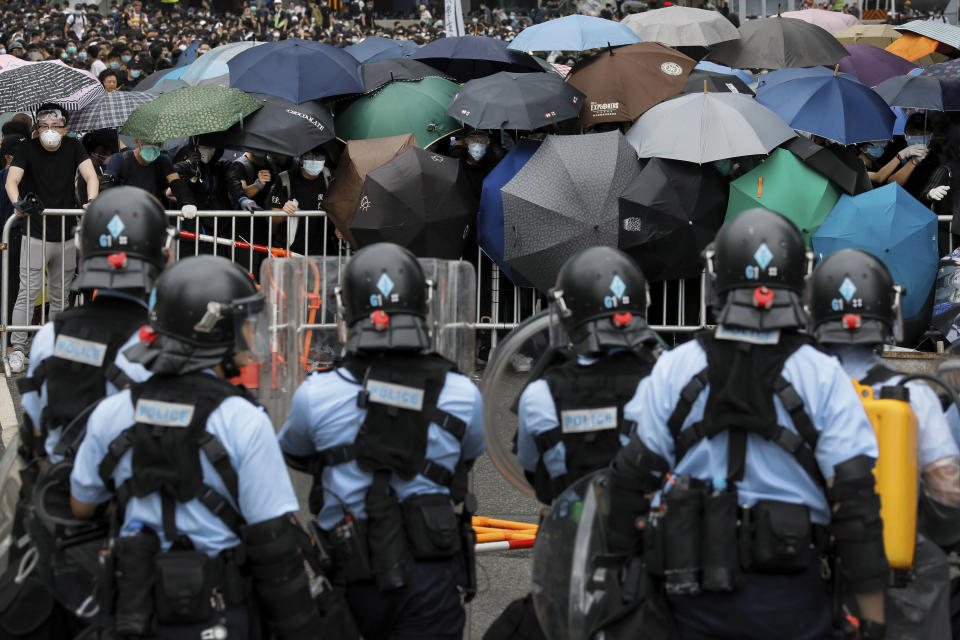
[{"x": 44, "y": 167}]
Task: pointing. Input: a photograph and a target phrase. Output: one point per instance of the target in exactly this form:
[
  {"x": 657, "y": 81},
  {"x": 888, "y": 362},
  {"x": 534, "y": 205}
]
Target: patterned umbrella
[
  {"x": 949, "y": 70},
  {"x": 30, "y": 85},
  {"x": 188, "y": 112},
  {"x": 109, "y": 111}
]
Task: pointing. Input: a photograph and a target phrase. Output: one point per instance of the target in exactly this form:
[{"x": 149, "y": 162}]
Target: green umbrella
[
  {"x": 784, "y": 184},
  {"x": 189, "y": 111},
  {"x": 399, "y": 108}
]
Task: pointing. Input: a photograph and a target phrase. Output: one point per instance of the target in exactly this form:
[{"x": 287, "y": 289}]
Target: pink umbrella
[{"x": 832, "y": 21}]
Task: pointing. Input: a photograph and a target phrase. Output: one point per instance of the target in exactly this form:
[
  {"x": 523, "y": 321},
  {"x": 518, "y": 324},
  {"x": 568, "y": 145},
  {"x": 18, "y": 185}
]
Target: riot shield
[
  {"x": 452, "y": 310},
  {"x": 517, "y": 360},
  {"x": 574, "y": 586}
]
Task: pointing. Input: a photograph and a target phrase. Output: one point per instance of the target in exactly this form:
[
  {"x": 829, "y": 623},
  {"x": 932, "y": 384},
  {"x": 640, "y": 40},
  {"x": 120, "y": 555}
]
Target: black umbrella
[
  {"x": 921, "y": 92},
  {"x": 670, "y": 214},
  {"x": 280, "y": 126},
  {"x": 419, "y": 200},
  {"x": 779, "y": 43},
  {"x": 563, "y": 200},
  {"x": 468, "y": 57},
  {"x": 716, "y": 83},
  {"x": 377, "y": 74},
  {"x": 851, "y": 177},
  {"x": 523, "y": 101}
]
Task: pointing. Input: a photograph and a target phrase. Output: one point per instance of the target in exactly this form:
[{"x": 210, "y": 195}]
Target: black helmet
[
  {"x": 601, "y": 299},
  {"x": 758, "y": 263},
  {"x": 383, "y": 299},
  {"x": 201, "y": 314},
  {"x": 123, "y": 240},
  {"x": 853, "y": 299}
]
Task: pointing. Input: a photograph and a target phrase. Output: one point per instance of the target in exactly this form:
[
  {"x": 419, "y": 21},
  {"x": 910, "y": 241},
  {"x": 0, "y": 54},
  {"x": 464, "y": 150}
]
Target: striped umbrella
[
  {"x": 30, "y": 85},
  {"x": 939, "y": 31},
  {"x": 109, "y": 110}
]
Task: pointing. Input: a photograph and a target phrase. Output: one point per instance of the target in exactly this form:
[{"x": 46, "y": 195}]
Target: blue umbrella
[
  {"x": 773, "y": 78},
  {"x": 377, "y": 49},
  {"x": 490, "y": 215},
  {"x": 189, "y": 54},
  {"x": 295, "y": 69},
  {"x": 211, "y": 67},
  {"x": 891, "y": 224},
  {"x": 706, "y": 65},
  {"x": 469, "y": 57},
  {"x": 835, "y": 107},
  {"x": 574, "y": 33}
]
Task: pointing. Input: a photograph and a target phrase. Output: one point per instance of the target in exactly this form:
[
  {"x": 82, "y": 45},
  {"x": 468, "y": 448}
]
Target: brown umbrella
[
  {"x": 360, "y": 158},
  {"x": 622, "y": 83}
]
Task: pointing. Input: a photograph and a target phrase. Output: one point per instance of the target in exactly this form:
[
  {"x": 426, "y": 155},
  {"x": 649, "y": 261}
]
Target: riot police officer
[
  {"x": 202, "y": 496},
  {"x": 124, "y": 244},
  {"x": 571, "y": 418},
  {"x": 764, "y": 453},
  {"x": 392, "y": 431}
]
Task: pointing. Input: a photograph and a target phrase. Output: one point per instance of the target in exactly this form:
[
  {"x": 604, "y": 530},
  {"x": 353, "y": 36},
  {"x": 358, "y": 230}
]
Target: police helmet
[
  {"x": 758, "y": 264},
  {"x": 204, "y": 310},
  {"x": 383, "y": 300},
  {"x": 600, "y": 298},
  {"x": 124, "y": 241},
  {"x": 853, "y": 300}
]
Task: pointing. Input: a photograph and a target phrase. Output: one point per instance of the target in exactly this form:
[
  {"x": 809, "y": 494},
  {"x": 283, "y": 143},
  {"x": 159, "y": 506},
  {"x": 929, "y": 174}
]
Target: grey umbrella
[
  {"x": 565, "y": 199},
  {"x": 682, "y": 26},
  {"x": 703, "y": 127},
  {"x": 779, "y": 43}
]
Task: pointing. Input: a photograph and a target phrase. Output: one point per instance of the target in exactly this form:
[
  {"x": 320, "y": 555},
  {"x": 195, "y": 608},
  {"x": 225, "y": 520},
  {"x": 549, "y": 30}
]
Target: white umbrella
[
  {"x": 682, "y": 27},
  {"x": 211, "y": 67}
]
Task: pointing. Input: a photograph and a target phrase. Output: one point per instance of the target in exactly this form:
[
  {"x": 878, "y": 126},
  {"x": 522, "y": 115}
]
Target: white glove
[
  {"x": 913, "y": 151},
  {"x": 920, "y": 155},
  {"x": 938, "y": 193},
  {"x": 188, "y": 211}
]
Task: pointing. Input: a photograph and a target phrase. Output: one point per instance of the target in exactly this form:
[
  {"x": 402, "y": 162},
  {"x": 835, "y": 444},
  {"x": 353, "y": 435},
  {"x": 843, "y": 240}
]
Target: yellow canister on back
[{"x": 895, "y": 426}]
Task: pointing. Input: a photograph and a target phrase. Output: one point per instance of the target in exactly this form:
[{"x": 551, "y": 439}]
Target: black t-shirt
[
  {"x": 49, "y": 175},
  {"x": 152, "y": 177},
  {"x": 309, "y": 196}
]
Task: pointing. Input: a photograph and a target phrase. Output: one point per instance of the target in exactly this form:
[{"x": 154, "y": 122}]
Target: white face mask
[
  {"x": 476, "y": 150},
  {"x": 313, "y": 167},
  {"x": 50, "y": 138},
  {"x": 206, "y": 153}
]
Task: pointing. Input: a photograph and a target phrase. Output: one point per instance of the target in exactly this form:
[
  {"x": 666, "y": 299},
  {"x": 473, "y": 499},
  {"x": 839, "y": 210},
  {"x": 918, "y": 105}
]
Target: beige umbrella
[{"x": 879, "y": 35}]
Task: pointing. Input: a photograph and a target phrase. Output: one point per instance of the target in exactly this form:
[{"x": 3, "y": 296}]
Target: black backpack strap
[
  {"x": 35, "y": 381},
  {"x": 115, "y": 450},
  {"x": 688, "y": 395},
  {"x": 878, "y": 374}
]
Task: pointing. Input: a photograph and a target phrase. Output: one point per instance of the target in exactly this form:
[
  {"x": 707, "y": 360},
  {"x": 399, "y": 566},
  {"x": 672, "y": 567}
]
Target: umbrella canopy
[
  {"x": 828, "y": 164},
  {"x": 942, "y": 32},
  {"x": 565, "y": 199},
  {"x": 359, "y": 158},
  {"x": 155, "y": 78},
  {"x": 377, "y": 74},
  {"x": 109, "y": 110},
  {"x": 419, "y": 200},
  {"x": 834, "y": 107},
  {"x": 523, "y": 101},
  {"x": 401, "y": 107},
  {"x": 669, "y": 215},
  {"x": 703, "y": 127},
  {"x": 918, "y": 49},
  {"x": 921, "y": 92},
  {"x": 832, "y": 21},
  {"x": 211, "y": 67},
  {"x": 189, "y": 111},
  {"x": 682, "y": 26},
  {"x": 878, "y": 35},
  {"x": 622, "y": 83},
  {"x": 30, "y": 85},
  {"x": 377, "y": 49},
  {"x": 891, "y": 224},
  {"x": 490, "y": 215},
  {"x": 872, "y": 65},
  {"x": 773, "y": 78},
  {"x": 280, "y": 127},
  {"x": 778, "y": 43},
  {"x": 295, "y": 69},
  {"x": 706, "y": 65},
  {"x": 949, "y": 70},
  {"x": 469, "y": 57},
  {"x": 716, "y": 82},
  {"x": 573, "y": 33},
  {"x": 783, "y": 184}
]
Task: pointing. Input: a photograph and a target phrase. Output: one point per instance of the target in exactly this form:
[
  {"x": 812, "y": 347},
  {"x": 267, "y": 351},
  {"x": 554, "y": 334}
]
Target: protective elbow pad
[
  {"x": 635, "y": 472},
  {"x": 856, "y": 526},
  {"x": 279, "y": 579}
]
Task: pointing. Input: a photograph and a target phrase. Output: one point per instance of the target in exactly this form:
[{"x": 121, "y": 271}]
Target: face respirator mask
[
  {"x": 313, "y": 167},
  {"x": 476, "y": 150},
  {"x": 149, "y": 153},
  {"x": 50, "y": 138}
]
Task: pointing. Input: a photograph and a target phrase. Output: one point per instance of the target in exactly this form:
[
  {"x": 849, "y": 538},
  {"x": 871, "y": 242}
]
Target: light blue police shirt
[
  {"x": 537, "y": 414},
  {"x": 934, "y": 440},
  {"x": 770, "y": 472},
  {"x": 325, "y": 414},
  {"x": 244, "y": 430},
  {"x": 34, "y": 402}
]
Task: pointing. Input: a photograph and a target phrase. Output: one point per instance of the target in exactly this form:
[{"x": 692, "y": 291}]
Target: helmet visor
[{"x": 251, "y": 330}]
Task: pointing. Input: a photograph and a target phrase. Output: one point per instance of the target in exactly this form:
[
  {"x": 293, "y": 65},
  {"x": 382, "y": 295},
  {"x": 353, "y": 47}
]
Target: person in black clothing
[
  {"x": 150, "y": 169},
  {"x": 303, "y": 189},
  {"x": 100, "y": 145},
  {"x": 249, "y": 180},
  {"x": 915, "y": 173},
  {"x": 7, "y": 149},
  {"x": 477, "y": 157}
]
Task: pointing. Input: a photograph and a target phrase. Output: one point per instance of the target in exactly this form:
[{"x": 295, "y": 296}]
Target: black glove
[
  {"x": 870, "y": 630},
  {"x": 28, "y": 205},
  {"x": 248, "y": 204}
]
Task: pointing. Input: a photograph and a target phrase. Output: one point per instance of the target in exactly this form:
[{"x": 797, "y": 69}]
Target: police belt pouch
[
  {"x": 184, "y": 590},
  {"x": 134, "y": 570},
  {"x": 433, "y": 530},
  {"x": 782, "y": 537}
]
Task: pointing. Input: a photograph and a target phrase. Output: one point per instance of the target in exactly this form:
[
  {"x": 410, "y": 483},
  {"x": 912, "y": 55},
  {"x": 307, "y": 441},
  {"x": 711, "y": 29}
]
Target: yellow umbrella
[{"x": 879, "y": 35}]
